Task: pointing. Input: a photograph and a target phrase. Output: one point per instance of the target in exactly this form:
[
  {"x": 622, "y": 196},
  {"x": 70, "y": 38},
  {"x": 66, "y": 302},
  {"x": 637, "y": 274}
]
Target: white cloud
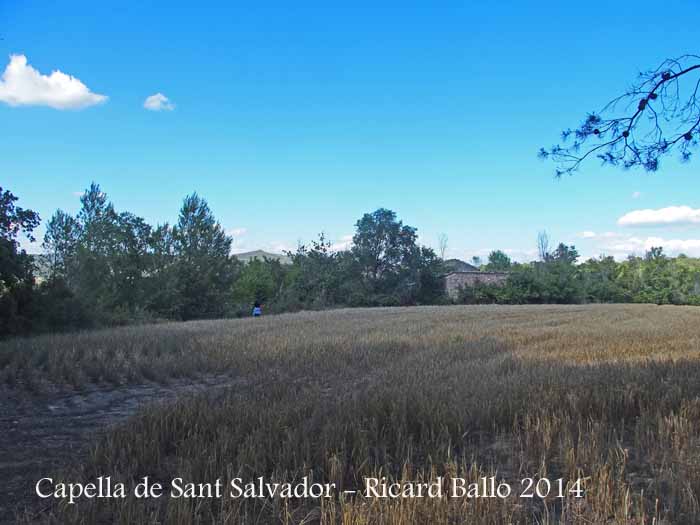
[
  {"x": 239, "y": 243},
  {"x": 158, "y": 102},
  {"x": 344, "y": 243},
  {"x": 521, "y": 255},
  {"x": 237, "y": 232},
  {"x": 671, "y": 215},
  {"x": 280, "y": 247},
  {"x": 639, "y": 245},
  {"x": 636, "y": 194},
  {"x": 22, "y": 85},
  {"x": 593, "y": 235}
]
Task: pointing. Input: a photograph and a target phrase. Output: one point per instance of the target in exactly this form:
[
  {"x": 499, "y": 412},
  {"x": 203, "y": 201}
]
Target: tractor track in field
[{"x": 40, "y": 434}]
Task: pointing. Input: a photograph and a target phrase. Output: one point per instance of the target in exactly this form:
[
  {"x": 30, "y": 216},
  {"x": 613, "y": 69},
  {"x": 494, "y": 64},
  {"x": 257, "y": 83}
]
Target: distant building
[{"x": 460, "y": 274}]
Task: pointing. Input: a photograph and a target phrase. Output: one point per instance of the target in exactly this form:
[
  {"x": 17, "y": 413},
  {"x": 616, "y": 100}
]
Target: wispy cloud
[
  {"x": 593, "y": 235},
  {"x": 240, "y": 243},
  {"x": 158, "y": 102},
  {"x": 22, "y": 85},
  {"x": 636, "y": 194},
  {"x": 281, "y": 247},
  {"x": 637, "y": 245},
  {"x": 237, "y": 232},
  {"x": 344, "y": 243},
  {"x": 672, "y": 215}
]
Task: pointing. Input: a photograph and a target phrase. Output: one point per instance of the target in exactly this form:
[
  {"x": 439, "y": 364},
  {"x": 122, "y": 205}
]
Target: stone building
[{"x": 456, "y": 280}]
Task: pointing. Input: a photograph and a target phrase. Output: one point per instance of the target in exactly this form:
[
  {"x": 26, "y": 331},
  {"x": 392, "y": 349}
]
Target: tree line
[
  {"x": 558, "y": 277},
  {"x": 104, "y": 267}
]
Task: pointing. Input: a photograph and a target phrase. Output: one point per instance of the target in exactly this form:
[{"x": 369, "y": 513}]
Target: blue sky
[{"x": 295, "y": 118}]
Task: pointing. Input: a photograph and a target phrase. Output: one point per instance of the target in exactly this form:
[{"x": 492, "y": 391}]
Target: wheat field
[{"x": 605, "y": 394}]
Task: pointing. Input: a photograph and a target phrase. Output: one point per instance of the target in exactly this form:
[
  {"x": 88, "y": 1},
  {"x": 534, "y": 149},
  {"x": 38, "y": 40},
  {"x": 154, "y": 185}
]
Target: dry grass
[{"x": 606, "y": 393}]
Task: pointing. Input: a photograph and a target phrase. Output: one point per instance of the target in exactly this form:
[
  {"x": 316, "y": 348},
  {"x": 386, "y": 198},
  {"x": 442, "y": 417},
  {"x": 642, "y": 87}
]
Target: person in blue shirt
[{"x": 257, "y": 309}]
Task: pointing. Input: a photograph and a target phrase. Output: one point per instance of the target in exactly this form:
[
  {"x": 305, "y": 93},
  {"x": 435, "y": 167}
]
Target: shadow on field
[
  {"x": 40, "y": 434},
  {"x": 409, "y": 413}
]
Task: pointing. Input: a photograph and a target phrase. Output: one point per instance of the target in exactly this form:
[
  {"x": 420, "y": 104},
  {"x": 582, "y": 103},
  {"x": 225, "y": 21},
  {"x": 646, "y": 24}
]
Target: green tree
[
  {"x": 104, "y": 258},
  {"x": 108, "y": 269},
  {"x": 258, "y": 281},
  {"x": 16, "y": 266},
  {"x": 61, "y": 243},
  {"x": 394, "y": 269},
  {"x": 129, "y": 261},
  {"x": 565, "y": 254},
  {"x": 161, "y": 286},
  {"x": 94, "y": 268},
  {"x": 559, "y": 276},
  {"x": 204, "y": 270},
  {"x": 315, "y": 277},
  {"x": 498, "y": 262},
  {"x": 601, "y": 281},
  {"x": 383, "y": 247}
]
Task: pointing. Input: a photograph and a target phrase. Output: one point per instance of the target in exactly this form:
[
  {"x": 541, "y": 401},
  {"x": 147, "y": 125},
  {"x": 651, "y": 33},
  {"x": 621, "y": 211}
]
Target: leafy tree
[
  {"x": 657, "y": 116},
  {"x": 318, "y": 276},
  {"x": 258, "y": 281},
  {"x": 565, "y": 254},
  {"x": 601, "y": 281},
  {"x": 431, "y": 287},
  {"x": 658, "y": 283},
  {"x": 16, "y": 266},
  {"x": 384, "y": 248},
  {"x": 104, "y": 258},
  {"x": 161, "y": 296},
  {"x": 204, "y": 270},
  {"x": 103, "y": 254},
  {"x": 498, "y": 262},
  {"x": 61, "y": 242},
  {"x": 94, "y": 268},
  {"x": 524, "y": 285},
  {"x": 559, "y": 277},
  {"x": 129, "y": 261},
  {"x": 655, "y": 254}
]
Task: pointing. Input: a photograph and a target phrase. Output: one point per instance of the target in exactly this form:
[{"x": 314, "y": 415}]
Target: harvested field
[{"x": 608, "y": 394}]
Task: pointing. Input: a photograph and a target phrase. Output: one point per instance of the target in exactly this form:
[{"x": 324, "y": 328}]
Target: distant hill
[{"x": 261, "y": 254}]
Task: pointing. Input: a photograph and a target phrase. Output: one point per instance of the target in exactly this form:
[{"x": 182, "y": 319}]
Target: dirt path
[{"x": 40, "y": 434}]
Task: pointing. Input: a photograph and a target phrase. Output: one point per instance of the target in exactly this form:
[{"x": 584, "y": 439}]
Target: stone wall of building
[{"x": 456, "y": 280}]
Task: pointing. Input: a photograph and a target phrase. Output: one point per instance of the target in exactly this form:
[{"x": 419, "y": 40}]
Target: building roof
[{"x": 456, "y": 265}]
